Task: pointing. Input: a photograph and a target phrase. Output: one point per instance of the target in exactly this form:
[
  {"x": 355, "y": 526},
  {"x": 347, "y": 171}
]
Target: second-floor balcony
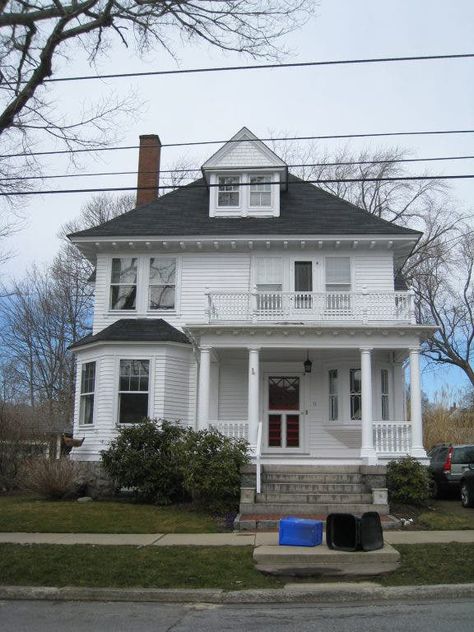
[{"x": 316, "y": 307}]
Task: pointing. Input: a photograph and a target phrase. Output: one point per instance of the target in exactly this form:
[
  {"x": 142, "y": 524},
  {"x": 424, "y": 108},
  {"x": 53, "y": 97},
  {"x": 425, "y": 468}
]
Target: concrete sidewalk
[{"x": 214, "y": 539}]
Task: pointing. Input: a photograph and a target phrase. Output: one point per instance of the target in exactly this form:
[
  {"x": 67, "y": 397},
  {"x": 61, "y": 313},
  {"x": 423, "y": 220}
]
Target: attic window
[
  {"x": 228, "y": 191},
  {"x": 260, "y": 190}
]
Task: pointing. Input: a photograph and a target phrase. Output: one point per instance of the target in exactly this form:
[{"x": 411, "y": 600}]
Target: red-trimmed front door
[{"x": 283, "y": 413}]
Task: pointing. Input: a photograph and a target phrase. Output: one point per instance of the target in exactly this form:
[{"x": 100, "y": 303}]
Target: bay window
[
  {"x": 133, "y": 390},
  {"x": 162, "y": 290},
  {"x": 123, "y": 283}
]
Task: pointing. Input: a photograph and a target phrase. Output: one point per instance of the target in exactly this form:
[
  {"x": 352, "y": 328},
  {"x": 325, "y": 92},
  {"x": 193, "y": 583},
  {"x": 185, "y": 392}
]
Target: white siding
[
  {"x": 177, "y": 385},
  {"x": 374, "y": 270},
  {"x": 233, "y": 391}
]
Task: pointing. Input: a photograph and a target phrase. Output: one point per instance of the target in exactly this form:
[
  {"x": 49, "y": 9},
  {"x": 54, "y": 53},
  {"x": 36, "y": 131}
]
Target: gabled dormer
[{"x": 245, "y": 178}]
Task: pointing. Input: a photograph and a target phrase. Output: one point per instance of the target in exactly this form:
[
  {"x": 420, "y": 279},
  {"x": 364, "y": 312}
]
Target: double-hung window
[
  {"x": 228, "y": 191},
  {"x": 333, "y": 403},
  {"x": 338, "y": 283},
  {"x": 133, "y": 390},
  {"x": 123, "y": 284},
  {"x": 384, "y": 394},
  {"x": 355, "y": 393},
  {"x": 269, "y": 282},
  {"x": 260, "y": 190},
  {"x": 86, "y": 408},
  {"x": 162, "y": 293}
]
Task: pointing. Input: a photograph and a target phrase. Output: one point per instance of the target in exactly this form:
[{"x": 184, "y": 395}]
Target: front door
[{"x": 283, "y": 414}]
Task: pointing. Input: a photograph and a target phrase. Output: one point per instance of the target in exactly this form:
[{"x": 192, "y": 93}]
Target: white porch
[{"x": 360, "y": 417}]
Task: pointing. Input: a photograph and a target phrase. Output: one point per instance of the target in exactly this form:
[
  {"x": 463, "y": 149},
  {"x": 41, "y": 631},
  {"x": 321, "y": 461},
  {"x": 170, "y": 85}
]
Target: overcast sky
[{"x": 306, "y": 101}]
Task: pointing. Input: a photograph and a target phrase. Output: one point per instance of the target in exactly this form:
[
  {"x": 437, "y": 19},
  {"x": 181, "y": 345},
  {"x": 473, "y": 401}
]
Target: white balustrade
[
  {"x": 310, "y": 306},
  {"x": 232, "y": 429},
  {"x": 392, "y": 437}
]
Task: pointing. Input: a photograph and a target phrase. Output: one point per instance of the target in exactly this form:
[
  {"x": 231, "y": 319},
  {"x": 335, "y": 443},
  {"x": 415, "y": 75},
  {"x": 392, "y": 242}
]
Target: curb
[{"x": 291, "y": 593}]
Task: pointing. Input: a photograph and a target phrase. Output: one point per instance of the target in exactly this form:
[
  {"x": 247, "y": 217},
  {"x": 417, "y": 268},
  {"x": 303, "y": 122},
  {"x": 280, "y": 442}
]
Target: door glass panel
[
  {"x": 292, "y": 431},
  {"x": 274, "y": 431},
  {"x": 284, "y": 393}
]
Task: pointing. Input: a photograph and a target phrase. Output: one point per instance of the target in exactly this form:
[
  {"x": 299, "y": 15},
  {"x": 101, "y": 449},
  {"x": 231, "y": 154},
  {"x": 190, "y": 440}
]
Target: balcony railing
[{"x": 364, "y": 307}]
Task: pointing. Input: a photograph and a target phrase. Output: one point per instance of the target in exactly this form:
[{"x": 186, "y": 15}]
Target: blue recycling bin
[{"x": 300, "y": 532}]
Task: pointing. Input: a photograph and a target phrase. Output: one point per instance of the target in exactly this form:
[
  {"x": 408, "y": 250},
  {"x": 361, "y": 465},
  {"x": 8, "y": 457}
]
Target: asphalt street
[{"x": 45, "y": 616}]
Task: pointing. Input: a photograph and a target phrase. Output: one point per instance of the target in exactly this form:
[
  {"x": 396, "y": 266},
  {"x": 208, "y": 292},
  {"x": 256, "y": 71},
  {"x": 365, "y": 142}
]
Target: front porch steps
[{"x": 307, "y": 491}]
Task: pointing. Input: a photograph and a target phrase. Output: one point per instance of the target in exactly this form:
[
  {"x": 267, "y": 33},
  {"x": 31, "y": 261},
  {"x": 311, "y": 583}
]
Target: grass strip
[
  {"x": 230, "y": 568},
  {"x": 20, "y": 513}
]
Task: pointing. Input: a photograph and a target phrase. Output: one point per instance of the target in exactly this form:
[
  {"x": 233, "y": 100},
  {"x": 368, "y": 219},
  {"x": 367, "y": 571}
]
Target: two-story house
[{"x": 258, "y": 304}]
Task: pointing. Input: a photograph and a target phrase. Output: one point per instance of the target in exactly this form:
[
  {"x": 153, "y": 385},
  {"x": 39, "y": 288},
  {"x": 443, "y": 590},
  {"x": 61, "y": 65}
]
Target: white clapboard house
[{"x": 253, "y": 302}]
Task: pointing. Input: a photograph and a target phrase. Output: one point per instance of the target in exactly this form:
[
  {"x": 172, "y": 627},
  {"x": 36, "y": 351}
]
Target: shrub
[
  {"x": 146, "y": 458},
  {"x": 211, "y": 468},
  {"x": 51, "y": 479},
  {"x": 408, "y": 482}
]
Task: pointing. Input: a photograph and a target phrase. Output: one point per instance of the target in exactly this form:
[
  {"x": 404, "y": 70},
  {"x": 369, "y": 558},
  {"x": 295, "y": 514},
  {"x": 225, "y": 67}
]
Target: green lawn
[
  {"x": 229, "y": 567},
  {"x": 451, "y": 563},
  {"x": 20, "y": 513},
  {"x": 446, "y": 514}
]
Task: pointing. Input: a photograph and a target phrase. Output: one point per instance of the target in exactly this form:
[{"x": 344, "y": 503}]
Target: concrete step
[
  {"x": 313, "y": 469},
  {"x": 292, "y": 477},
  {"x": 305, "y": 509},
  {"x": 314, "y": 499},
  {"x": 313, "y": 488}
]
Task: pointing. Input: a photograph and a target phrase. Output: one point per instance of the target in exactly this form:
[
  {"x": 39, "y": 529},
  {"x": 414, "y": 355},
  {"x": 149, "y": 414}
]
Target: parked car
[
  {"x": 467, "y": 487},
  {"x": 447, "y": 465}
]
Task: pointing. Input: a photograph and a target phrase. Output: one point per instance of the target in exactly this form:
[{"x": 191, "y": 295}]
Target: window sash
[
  {"x": 86, "y": 406},
  {"x": 123, "y": 283},
  {"x": 384, "y": 387},
  {"x": 355, "y": 386},
  {"x": 162, "y": 285},
  {"x": 333, "y": 395},
  {"x": 228, "y": 191},
  {"x": 134, "y": 383},
  {"x": 338, "y": 272},
  {"x": 260, "y": 190}
]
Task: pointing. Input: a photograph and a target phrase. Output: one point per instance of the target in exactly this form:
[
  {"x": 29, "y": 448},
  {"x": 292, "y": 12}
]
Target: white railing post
[
  {"x": 209, "y": 303},
  {"x": 365, "y": 311},
  {"x": 254, "y": 304},
  {"x": 417, "y": 449},
  {"x": 204, "y": 387},
  {"x": 411, "y": 306}
]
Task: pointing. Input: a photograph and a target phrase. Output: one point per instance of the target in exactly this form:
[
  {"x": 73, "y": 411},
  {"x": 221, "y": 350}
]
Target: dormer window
[
  {"x": 228, "y": 191},
  {"x": 260, "y": 190}
]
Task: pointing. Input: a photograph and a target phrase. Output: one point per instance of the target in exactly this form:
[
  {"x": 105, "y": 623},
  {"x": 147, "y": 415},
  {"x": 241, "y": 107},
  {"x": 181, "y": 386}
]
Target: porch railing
[
  {"x": 311, "y": 306},
  {"x": 392, "y": 437},
  {"x": 233, "y": 429}
]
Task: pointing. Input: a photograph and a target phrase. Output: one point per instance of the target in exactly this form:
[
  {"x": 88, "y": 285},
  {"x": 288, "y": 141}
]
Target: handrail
[{"x": 258, "y": 454}]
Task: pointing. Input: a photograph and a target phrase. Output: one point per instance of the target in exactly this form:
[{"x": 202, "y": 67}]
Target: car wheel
[{"x": 467, "y": 498}]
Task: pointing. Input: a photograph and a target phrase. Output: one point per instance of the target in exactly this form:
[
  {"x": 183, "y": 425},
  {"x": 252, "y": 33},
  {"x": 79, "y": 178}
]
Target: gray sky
[{"x": 331, "y": 100}]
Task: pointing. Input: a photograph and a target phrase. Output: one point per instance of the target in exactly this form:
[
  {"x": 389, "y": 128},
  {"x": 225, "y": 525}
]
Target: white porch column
[
  {"x": 417, "y": 449},
  {"x": 367, "y": 450},
  {"x": 254, "y": 394},
  {"x": 204, "y": 387}
]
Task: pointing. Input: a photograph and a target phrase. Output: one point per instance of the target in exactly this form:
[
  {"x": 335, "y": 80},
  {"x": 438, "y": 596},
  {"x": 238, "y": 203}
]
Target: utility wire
[
  {"x": 247, "y": 140},
  {"x": 300, "y": 64},
  {"x": 195, "y": 170},
  {"x": 241, "y": 184}
]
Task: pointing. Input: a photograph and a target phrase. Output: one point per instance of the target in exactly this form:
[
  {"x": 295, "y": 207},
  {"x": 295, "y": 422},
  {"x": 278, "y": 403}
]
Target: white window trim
[
  {"x": 391, "y": 394},
  {"x": 81, "y": 424},
  {"x": 269, "y": 178},
  {"x": 151, "y": 382},
  {"x": 335, "y": 395},
  {"x": 239, "y": 191},
  {"x": 352, "y": 277}
]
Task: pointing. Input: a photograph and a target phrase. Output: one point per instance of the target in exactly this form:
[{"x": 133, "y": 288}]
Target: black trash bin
[{"x": 346, "y": 532}]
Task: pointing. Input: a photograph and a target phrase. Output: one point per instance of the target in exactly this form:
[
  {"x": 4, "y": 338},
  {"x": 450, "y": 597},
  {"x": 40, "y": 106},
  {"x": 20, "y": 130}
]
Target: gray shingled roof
[
  {"x": 136, "y": 330},
  {"x": 304, "y": 210}
]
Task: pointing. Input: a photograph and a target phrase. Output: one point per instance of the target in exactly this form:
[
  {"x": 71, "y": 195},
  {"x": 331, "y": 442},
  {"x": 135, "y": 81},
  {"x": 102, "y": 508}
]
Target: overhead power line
[
  {"x": 299, "y": 64},
  {"x": 196, "y": 170},
  {"x": 247, "y": 140},
  {"x": 241, "y": 184}
]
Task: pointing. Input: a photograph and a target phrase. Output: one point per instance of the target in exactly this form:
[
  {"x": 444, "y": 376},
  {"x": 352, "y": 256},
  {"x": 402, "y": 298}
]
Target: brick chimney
[{"x": 148, "y": 168}]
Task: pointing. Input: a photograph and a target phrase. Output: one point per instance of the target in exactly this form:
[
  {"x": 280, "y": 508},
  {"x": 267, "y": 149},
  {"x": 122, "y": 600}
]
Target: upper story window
[
  {"x": 162, "y": 292},
  {"x": 123, "y": 284},
  {"x": 338, "y": 274},
  {"x": 86, "y": 408},
  {"x": 228, "y": 191},
  {"x": 260, "y": 190}
]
